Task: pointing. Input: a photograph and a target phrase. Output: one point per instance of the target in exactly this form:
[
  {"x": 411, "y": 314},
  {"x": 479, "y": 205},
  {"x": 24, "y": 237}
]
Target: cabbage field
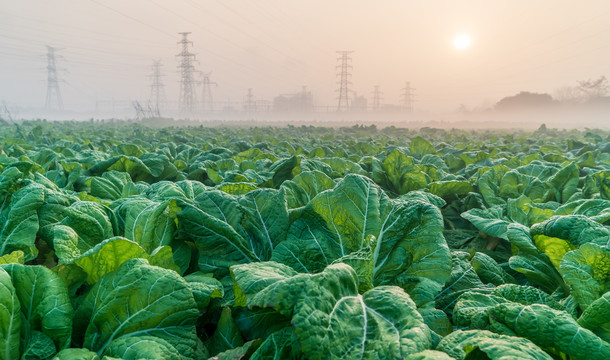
[{"x": 121, "y": 241}]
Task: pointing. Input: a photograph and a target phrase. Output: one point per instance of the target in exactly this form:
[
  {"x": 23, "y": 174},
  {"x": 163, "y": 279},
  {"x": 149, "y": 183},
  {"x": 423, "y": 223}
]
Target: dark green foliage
[{"x": 120, "y": 241}]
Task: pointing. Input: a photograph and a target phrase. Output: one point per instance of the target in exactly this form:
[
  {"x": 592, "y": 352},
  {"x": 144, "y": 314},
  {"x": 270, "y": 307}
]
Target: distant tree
[
  {"x": 593, "y": 88},
  {"x": 542, "y": 128},
  {"x": 585, "y": 91},
  {"x": 463, "y": 109},
  {"x": 568, "y": 95},
  {"x": 524, "y": 100}
]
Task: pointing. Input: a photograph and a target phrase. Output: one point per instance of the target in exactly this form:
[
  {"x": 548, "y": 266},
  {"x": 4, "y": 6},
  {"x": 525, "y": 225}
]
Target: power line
[
  {"x": 240, "y": 30},
  {"x": 69, "y": 49},
  {"x": 566, "y": 29},
  {"x": 133, "y": 19},
  {"x": 73, "y": 32},
  {"x": 15, "y": 55},
  {"x": 281, "y": 21},
  {"x": 221, "y": 37},
  {"x": 279, "y": 51}
]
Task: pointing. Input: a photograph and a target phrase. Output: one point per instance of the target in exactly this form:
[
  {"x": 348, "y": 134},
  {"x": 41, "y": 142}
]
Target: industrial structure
[
  {"x": 301, "y": 101},
  {"x": 157, "y": 89},
  {"x": 344, "y": 80},
  {"x": 407, "y": 97},
  {"x": 207, "y": 101},
  {"x": 53, "y": 101},
  {"x": 249, "y": 104},
  {"x": 376, "y": 99},
  {"x": 190, "y": 105},
  {"x": 187, "y": 98}
]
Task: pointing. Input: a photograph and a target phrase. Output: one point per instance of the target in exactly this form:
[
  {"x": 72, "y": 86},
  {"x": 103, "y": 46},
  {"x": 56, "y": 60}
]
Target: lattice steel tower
[
  {"x": 157, "y": 88},
  {"x": 53, "y": 101},
  {"x": 377, "y": 98},
  {"x": 250, "y": 105},
  {"x": 207, "y": 104},
  {"x": 344, "y": 80},
  {"x": 407, "y": 97},
  {"x": 186, "y": 68}
]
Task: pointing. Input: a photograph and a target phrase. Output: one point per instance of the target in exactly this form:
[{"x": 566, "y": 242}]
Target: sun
[{"x": 462, "y": 41}]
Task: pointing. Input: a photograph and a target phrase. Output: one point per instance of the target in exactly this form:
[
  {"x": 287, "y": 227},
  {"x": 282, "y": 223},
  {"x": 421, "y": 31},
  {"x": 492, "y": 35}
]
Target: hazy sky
[{"x": 277, "y": 46}]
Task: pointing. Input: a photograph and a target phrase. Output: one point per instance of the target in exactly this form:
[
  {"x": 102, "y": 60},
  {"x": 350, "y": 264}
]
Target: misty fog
[{"x": 441, "y": 63}]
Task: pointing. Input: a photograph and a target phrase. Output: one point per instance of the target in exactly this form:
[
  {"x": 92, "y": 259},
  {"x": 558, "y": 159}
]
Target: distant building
[
  {"x": 298, "y": 102},
  {"x": 392, "y": 108},
  {"x": 359, "y": 104}
]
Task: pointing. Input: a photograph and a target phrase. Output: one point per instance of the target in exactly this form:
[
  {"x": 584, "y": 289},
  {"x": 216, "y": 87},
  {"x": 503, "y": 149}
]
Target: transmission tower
[
  {"x": 186, "y": 68},
  {"x": 53, "y": 101},
  {"x": 407, "y": 97},
  {"x": 377, "y": 98},
  {"x": 344, "y": 79},
  {"x": 250, "y": 105},
  {"x": 157, "y": 88},
  {"x": 207, "y": 104}
]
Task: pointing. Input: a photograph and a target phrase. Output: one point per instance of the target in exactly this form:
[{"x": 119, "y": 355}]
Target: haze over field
[{"x": 455, "y": 55}]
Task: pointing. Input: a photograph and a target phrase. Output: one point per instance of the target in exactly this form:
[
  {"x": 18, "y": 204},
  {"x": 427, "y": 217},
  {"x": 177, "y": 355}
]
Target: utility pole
[
  {"x": 186, "y": 68},
  {"x": 157, "y": 88},
  {"x": 344, "y": 79},
  {"x": 407, "y": 97},
  {"x": 377, "y": 99},
  {"x": 207, "y": 104},
  {"x": 53, "y": 101}
]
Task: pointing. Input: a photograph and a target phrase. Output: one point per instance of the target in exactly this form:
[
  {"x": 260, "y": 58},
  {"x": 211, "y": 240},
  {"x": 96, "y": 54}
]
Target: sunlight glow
[{"x": 462, "y": 41}]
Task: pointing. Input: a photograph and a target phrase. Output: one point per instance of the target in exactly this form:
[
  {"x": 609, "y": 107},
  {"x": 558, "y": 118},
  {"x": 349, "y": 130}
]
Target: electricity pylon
[
  {"x": 157, "y": 88},
  {"x": 376, "y": 98},
  {"x": 53, "y": 101},
  {"x": 344, "y": 80},
  {"x": 207, "y": 102},
  {"x": 407, "y": 97},
  {"x": 250, "y": 104},
  {"x": 186, "y": 101}
]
